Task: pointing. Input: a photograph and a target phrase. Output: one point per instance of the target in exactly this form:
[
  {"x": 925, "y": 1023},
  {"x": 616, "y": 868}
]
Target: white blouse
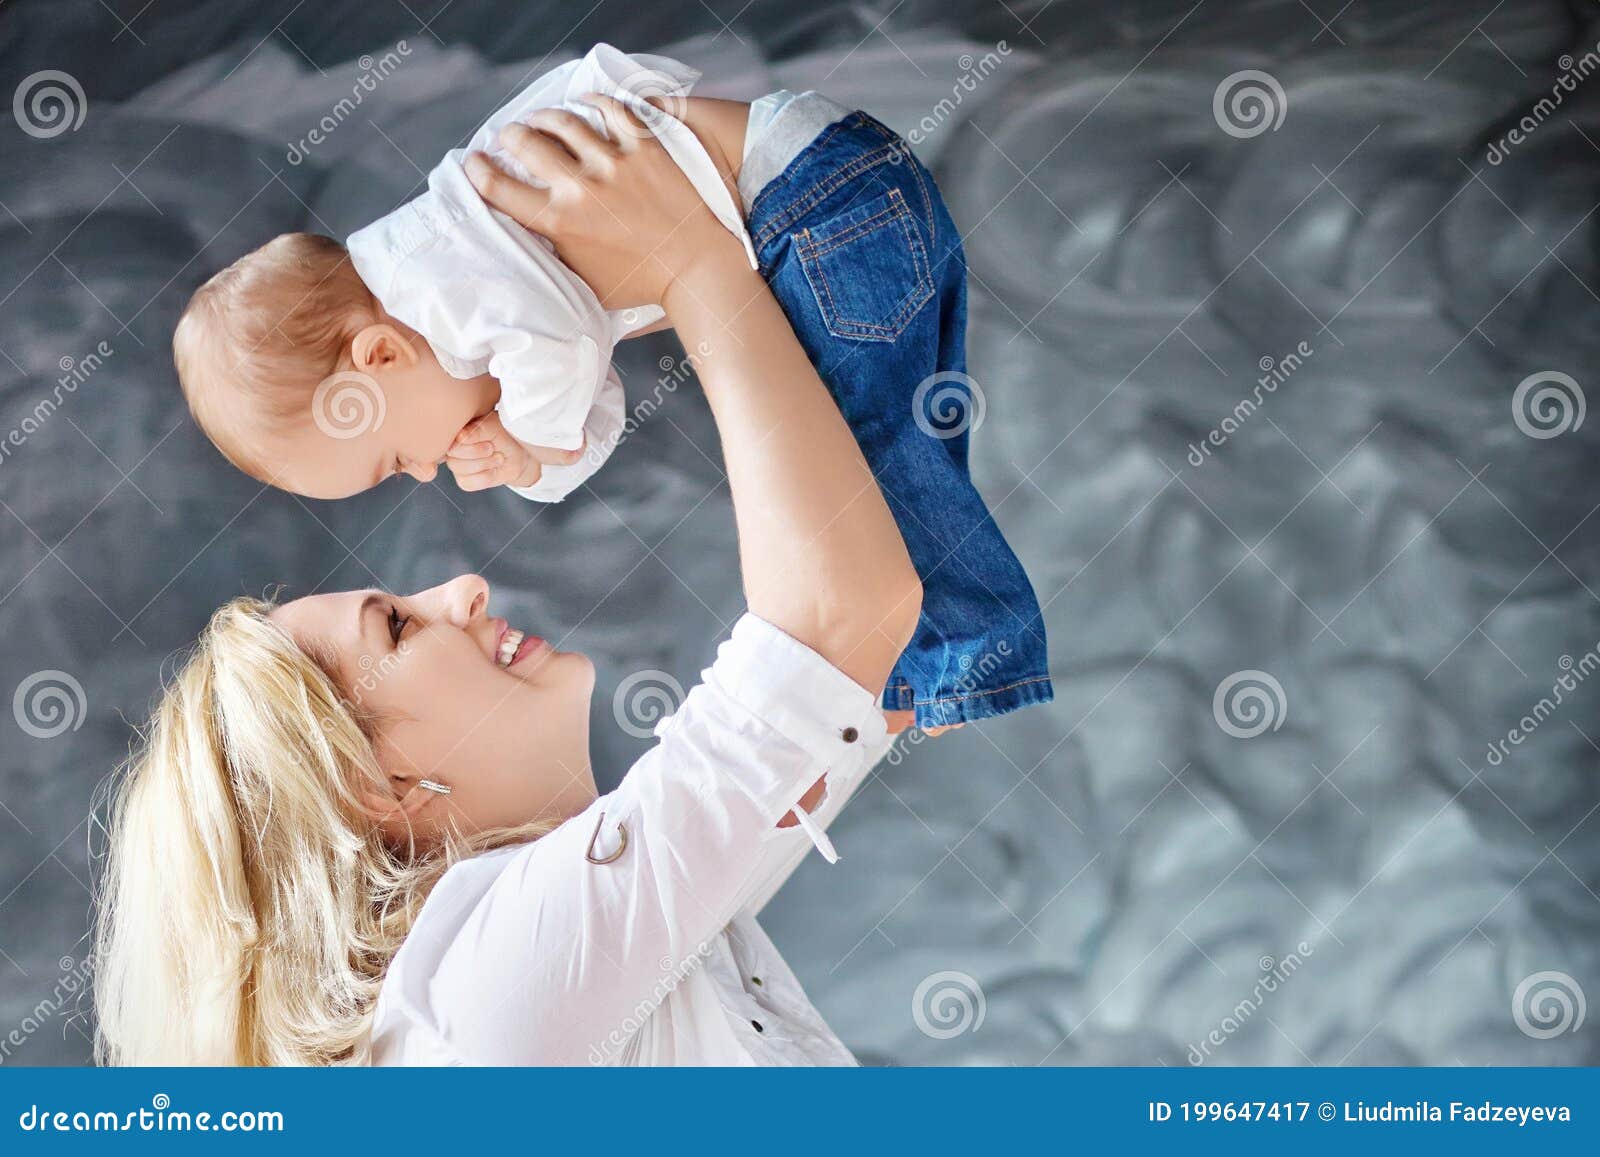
[{"x": 534, "y": 955}]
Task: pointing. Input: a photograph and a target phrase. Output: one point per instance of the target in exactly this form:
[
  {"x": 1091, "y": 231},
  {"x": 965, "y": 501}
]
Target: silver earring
[{"x": 435, "y": 787}]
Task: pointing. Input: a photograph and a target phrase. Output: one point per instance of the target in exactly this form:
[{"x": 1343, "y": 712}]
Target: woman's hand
[
  {"x": 620, "y": 212},
  {"x": 822, "y": 558}
]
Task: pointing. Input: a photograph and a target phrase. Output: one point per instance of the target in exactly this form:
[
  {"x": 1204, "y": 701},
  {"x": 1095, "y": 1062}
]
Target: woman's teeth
[{"x": 509, "y": 642}]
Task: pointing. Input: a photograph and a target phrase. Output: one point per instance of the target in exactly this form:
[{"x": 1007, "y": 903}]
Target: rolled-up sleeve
[{"x": 560, "y": 950}]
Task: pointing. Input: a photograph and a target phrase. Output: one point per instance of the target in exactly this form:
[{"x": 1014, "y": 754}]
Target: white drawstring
[{"x": 818, "y": 836}]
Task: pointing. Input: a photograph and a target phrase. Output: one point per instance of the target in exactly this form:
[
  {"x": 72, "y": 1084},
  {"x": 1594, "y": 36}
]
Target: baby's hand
[{"x": 485, "y": 455}]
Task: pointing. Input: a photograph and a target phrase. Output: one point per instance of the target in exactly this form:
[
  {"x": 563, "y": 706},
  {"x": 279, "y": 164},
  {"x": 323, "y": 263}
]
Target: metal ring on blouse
[{"x": 622, "y": 830}]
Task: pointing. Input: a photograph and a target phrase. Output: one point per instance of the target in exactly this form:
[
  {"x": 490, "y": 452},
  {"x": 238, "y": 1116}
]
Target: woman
[{"x": 364, "y": 828}]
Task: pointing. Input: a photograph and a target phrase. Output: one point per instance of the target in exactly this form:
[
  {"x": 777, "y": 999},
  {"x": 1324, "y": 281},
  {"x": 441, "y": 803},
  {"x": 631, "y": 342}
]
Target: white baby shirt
[{"x": 491, "y": 297}]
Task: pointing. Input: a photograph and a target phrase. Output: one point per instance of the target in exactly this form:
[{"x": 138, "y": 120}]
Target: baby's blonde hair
[
  {"x": 250, "y": 907},
  {"x": 256, "y": 339}
]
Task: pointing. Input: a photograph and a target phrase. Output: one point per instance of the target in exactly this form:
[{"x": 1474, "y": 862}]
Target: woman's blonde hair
[{"x": 250, "y": 907}]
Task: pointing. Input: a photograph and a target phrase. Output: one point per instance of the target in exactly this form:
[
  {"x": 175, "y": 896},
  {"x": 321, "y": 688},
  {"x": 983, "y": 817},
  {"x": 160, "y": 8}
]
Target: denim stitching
[
  {"x": 821, "y": 189},
  {"x": 914, "y": 301},
  {"x": 782, "y": 179},
  {"x": 828, "y": 183},
  {"x": 810, "y": 248},
  {"x": 981, "y": 694}
]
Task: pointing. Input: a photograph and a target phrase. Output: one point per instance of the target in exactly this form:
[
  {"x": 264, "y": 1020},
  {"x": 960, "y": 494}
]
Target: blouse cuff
[{"x": 798, "y": 693}]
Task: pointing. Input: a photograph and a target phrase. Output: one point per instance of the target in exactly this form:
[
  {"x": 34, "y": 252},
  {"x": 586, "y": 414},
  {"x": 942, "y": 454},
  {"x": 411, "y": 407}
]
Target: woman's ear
[
  {"x": 382, "y": 806},
  {"x": 404, "y": 802},
  {"x": 380, "y": 346}
]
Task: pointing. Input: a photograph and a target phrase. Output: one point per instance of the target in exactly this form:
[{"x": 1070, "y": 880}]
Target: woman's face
[{"x": 504, "y": 726}]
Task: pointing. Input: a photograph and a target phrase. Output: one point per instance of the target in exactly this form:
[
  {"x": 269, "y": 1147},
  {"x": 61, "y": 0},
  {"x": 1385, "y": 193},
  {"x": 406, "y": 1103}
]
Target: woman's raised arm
[{"x": 821, "y": 555}]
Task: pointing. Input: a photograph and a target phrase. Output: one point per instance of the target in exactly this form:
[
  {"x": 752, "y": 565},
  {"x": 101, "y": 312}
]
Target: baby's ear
[{"x": 380, "y": 346}]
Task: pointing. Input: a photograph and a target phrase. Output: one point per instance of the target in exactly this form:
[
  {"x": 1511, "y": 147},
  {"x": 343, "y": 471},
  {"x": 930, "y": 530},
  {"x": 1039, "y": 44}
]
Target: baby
[{"x": 446, "y": 333}]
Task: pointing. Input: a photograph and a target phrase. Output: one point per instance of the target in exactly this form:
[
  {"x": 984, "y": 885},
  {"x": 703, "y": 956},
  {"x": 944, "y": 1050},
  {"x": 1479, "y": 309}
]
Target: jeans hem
[{"x": 971, "y": 706}]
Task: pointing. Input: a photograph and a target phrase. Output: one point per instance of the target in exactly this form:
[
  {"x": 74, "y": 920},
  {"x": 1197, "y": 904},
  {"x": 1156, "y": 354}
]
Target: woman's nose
[{"x": 460, "y": 601}]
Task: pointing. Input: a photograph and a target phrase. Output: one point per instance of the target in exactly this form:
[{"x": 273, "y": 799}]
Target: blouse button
[
  {"x": 850, "y": 735},
  {"x": 757, "y": 1025},
  {"x": 755, "y": 980}
]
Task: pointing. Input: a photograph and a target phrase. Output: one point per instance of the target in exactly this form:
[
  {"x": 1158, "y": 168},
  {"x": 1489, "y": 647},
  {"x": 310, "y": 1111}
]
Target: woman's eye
[{"x": 397, "y": 624}]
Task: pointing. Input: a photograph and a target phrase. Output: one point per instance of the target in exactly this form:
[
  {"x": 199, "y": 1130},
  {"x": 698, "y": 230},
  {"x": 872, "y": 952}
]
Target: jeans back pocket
[{"x": 867, "y": 268}]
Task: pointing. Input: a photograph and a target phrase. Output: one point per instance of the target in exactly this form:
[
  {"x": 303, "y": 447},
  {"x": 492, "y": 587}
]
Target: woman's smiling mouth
[{"x": 515, "y": 646}]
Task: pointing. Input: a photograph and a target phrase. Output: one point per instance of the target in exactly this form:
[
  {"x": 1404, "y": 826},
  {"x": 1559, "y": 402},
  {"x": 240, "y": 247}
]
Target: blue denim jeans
[{"x": 863, "y": 256}]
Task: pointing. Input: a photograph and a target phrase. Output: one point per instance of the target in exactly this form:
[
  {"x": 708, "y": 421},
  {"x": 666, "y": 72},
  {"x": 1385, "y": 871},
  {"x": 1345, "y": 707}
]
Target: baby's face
[{"x": 398, "y": 415}]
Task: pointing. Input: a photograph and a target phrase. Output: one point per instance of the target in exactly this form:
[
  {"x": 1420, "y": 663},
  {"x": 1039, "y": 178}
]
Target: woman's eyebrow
[{"x": 363, "y": 621}]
